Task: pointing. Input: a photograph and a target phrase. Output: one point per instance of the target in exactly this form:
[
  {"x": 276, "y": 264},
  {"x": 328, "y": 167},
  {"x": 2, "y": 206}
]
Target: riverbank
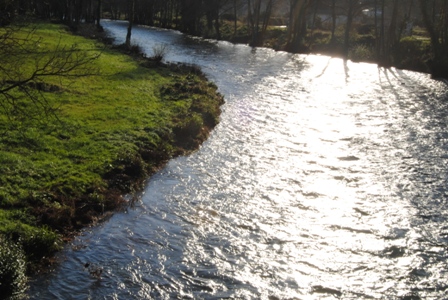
[
  {"x": 111, "y": 129},
  {"x": 411, "y": 53}
]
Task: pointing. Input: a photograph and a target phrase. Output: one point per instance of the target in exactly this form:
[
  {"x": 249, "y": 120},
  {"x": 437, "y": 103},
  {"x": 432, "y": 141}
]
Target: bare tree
[
  {"x": 259, "y": 19},
  {"x": 22, "y": 90}
]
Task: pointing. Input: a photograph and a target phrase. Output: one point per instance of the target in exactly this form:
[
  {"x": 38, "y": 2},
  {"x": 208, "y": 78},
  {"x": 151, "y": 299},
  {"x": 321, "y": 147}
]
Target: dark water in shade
[{"x": 325, "y": 179}]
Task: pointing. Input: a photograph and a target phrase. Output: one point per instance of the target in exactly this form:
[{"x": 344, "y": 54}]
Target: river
[{"x": 325, "y": 179}]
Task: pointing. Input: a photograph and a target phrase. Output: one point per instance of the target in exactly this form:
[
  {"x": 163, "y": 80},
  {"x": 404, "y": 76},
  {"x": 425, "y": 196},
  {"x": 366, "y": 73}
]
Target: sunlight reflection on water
[{"x": 319, "y": 182}]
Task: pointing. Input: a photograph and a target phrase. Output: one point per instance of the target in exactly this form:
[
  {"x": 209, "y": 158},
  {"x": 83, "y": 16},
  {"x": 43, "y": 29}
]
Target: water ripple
[{"x": 325, "y": 179}]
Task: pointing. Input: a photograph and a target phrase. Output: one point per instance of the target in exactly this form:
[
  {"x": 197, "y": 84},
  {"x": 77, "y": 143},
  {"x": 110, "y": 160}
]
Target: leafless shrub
[{"x": 159, "y": 52}]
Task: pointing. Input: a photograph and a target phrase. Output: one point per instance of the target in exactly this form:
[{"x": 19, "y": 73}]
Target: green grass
[{"x": 111, "y": 131}]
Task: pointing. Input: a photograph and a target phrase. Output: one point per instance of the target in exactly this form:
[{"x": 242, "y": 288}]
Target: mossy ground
[{"x": 110, "y": 132}]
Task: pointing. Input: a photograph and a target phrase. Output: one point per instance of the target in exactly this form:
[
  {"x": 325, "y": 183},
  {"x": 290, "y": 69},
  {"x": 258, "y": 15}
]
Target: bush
[
  {"x": 128, "y": 172},
  {"x": 228, "y": 17},
  {"x": 133, "y": 49},
  {"x": 36, "y": 242},
  {"x": 188, "y": 129},
  {"x": 412, "y": 53},
  {"x": 12, "y": 270},
  {"x": 159, "y": 52},
  {"x": 320, "y": 37},
  {"x": 411, "y": 46},
  {"x": 194, "y": 124},
  {"x": 361, "y": 53}
]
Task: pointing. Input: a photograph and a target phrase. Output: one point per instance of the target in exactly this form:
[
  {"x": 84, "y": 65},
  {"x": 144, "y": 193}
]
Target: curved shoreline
[
  {"x": 100, "y": 161},
  {"x": 417, "y": 62},
  {"x": 128, "y": 177}
]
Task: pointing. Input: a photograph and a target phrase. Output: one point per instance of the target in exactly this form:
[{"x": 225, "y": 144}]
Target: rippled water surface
[{"x": 325, "y": 179}]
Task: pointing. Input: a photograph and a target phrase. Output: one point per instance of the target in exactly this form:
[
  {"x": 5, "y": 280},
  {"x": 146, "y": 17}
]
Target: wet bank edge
[
  {"x": 128, "y": 174},
  {"x": 186, "y": 135}
]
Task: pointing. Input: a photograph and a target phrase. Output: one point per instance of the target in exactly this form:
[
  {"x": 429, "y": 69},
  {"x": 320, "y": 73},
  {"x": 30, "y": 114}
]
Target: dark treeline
[
  {"x": 386, "y": 21},
  {"x": 71, "y": 12}
]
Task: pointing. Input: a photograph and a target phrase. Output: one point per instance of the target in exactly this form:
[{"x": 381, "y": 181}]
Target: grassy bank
[{"x": 109, "y": 132}]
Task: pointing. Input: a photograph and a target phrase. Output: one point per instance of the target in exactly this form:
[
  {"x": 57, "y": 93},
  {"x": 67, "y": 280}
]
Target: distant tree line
[
  {"x": 71, "y": 12},
  {"x": 391, "y": 18}
]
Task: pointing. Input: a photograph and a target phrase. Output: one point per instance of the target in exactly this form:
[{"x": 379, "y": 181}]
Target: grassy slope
[{"x": 114, "y": 129}]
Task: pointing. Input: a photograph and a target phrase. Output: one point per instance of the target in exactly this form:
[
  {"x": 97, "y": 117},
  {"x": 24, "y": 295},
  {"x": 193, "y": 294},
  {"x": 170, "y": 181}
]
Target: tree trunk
[
  {"x": 333, "y": 21},
  {"x": 98, "y": 14},
  {"x": 438, "y": 65},
  {"x": 217, "y": 23},
  {"x": 444, "y": 22},
  {"x": 78, "y": 11},
  {"x": 376, "y": 27},
  {"x": 266, "y": 19},
  {"x": 392, "y": 35},
  {"x": 382, "y": 42},
  {"x": 131, "y": 23},
  {"x": 69, "y": 12},
  {"x": 256, "y": 23},
  {"x": 431, "y": 30},
  {"x": 297, "y": 25},
  {"x": 251, "y": 20},
  {"x": 316, "y": 5},
  {"x": 235, "y": 12},
  {"x": 190, "y": 13},
  {"x": 348, "y": 27}
]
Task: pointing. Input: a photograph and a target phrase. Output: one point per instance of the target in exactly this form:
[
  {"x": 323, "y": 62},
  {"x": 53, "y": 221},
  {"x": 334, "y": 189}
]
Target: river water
[{"x": 325, "y": 179}]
